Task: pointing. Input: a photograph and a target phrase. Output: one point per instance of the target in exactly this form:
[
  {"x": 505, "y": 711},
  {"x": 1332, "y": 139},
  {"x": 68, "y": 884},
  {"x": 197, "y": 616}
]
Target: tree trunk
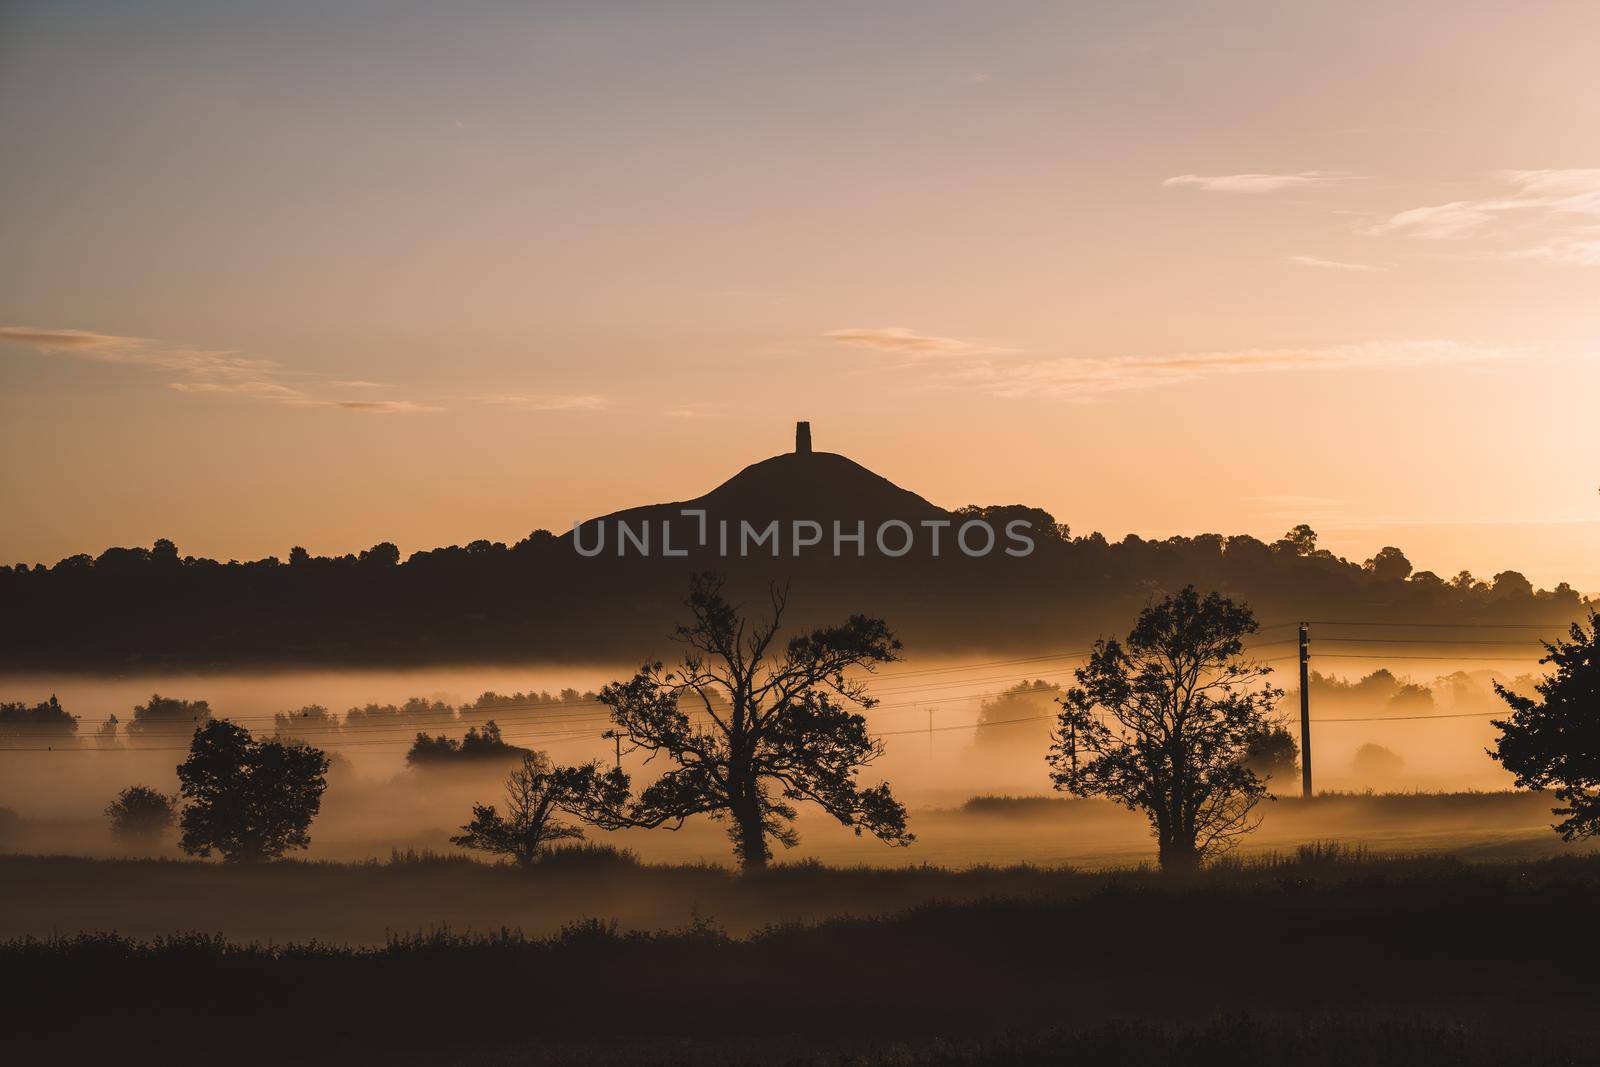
[
  {"x": 1178, "y": 855},
  {"x": 750, "y": 841}
]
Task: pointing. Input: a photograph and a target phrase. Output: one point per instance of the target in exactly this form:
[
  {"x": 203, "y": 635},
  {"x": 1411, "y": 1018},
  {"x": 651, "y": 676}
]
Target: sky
[{"x": 336, "y": 273}]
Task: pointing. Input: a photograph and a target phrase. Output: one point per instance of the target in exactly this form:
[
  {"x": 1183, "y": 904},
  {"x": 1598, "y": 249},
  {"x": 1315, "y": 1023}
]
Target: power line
[
  {"x": 1413, "y": 718},
  {"x": 1448, "y": 625},
  {"x": 1421, "y": 641},
  {"x": 1430, "y": 659}
]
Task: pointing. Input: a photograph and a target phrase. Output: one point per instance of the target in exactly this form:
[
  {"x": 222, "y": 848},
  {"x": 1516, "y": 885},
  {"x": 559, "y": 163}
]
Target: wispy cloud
[
  {"x": 1092, "y": 378},
  {"x": 1557, "y": 208},
  {"x": 1574, "y": 251},
  {"x": 67, "y": 339},
  {"x": 200, "y": 371},
  {"x": 1256, "y": 183},
  {"x": 543, "y": 401},
  {"x": 386, "y": 407},
  {"x": 907, "y": 342},
  {"x": 1331, "y": 264},
  {"x": 1439, "y": 222}
]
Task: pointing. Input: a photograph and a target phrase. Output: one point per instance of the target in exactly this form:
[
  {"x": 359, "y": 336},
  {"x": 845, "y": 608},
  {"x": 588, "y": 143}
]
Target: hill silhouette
[
  {"x": 820, "y": 486},
  {"x": 147, "y": 609}
]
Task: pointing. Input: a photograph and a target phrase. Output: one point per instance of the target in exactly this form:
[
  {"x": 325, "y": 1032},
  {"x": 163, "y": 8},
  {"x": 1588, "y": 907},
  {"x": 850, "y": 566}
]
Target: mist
[{"x": 952, "y": 730}]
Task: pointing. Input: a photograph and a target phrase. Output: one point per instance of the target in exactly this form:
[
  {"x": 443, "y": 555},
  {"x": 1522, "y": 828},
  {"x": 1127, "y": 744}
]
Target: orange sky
[{"x": 301, "y": 274}]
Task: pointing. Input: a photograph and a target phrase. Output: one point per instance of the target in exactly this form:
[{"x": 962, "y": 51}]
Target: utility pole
[
  {"x": 618, "y": 740},
  {"x": 1305, "y": 710}
]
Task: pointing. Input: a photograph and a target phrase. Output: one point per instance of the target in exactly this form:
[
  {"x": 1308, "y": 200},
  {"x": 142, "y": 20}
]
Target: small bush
[{"x": 141, "y": 815}]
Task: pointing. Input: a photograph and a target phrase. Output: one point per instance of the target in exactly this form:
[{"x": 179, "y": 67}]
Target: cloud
[
  {"x": 385, "y": 407},
  {"x": 908, "y": 342},
  {"x": 69, "y": 339},
  {"x": 543, "y": 401},
  {"x": 265, "y": 390},
  {"x": 141, "y": 352},
  {"x": 1256, "y": 183},
  {"x": 200, "y": 371},
  {"x": 360, "y": 384},
  {"x": 1547, "y": 203},
  {"x": 1574, "y": 251},
  {"x": 684, "y": 413},
  {"x": 1330, "y": 264},
  {"x": 1092, "y": 378},
  {"x": 1440, "y": 222}
]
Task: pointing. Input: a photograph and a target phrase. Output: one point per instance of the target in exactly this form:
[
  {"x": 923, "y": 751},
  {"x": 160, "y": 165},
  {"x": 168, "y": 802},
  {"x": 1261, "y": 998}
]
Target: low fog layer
[{"x": 952, "y": 730}]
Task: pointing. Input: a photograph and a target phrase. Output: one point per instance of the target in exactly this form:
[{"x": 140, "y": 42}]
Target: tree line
[
  {"x": 151, "y": 608},
  {"x": 161, "y": 719}
]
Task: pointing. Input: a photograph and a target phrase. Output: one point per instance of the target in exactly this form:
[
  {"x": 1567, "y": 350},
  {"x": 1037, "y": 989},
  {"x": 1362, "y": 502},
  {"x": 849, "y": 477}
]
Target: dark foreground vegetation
[{"x": 1325, "y": 957}]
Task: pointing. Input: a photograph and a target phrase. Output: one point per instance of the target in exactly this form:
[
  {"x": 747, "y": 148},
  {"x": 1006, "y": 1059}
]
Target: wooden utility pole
[{"x": 1305, "y": 710}]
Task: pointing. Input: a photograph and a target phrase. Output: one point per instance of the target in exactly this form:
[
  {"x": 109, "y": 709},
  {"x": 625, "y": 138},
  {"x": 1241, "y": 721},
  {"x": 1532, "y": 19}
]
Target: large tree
[
  {"x": 748, "y": 725},
  {"x": 249, "y": 800},
  {"x": 1552, "y": 741},
  {"x": 1163, "y": 724}
]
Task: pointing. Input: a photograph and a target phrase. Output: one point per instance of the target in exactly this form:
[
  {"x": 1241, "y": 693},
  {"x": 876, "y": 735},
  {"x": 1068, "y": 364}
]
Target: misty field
[{"x": 1324, "y": 956}]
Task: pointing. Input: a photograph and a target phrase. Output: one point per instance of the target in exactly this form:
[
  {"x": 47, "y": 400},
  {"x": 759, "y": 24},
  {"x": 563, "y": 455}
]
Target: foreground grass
[{"x": 1326, "y": 956}]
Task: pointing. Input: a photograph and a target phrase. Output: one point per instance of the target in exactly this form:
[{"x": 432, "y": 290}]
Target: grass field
[
  {"x": 1324, "y": 956},
  {"x": 1448, "y": 928}
]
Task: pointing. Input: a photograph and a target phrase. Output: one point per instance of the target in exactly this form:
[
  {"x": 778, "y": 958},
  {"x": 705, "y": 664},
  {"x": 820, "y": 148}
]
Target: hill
[{"x": 554, "y": 597}]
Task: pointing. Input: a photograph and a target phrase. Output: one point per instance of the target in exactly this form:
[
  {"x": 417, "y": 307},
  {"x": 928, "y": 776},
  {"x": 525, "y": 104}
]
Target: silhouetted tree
[
  {"x": 1511, "y": 584},
  {"x": 1389, "y": 565},
  {"x": 1374, "y": 761},
  {"x": 1041, "y": 524},
  {"x": 1552, "y": 739},
  {"x": 748, "y": 729},
  {"x": 1006, "y": 720},
  {"x": 168, "y": 718},
  {"x": 534, "y": 798},
  {"x": 105, "y": 735},
  {"x": 1273, "y": 754},
  {"x": 418, "y": 710},
  {"x": 1162, "y": 724},
  {"x": 480, "y": 745},
  {"x": 1301, "y": 541},
  {"x": 249, "y": 800},
  {"x": 140, "y": 815},
  {"x": 1411, "y": 699},
  {"x": 46, "y": 722},
  {"x": 312, "y": 724},
  {"x": 383, "y": 554}
]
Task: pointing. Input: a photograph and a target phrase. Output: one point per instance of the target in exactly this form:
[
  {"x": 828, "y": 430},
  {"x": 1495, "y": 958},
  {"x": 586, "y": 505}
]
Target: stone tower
[{"x": 802, "y": 438}]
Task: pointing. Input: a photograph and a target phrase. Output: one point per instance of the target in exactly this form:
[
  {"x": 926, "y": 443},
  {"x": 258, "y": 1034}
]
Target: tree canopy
[
  {"x": 140, "y": 814},
  {"x": 1552, "y": 738},
  {"x": 749, "y": 725},
  {"x": 531, "y": 824},
  {"x": 249, "y": 800},
  {"x": 1163, "y": 722}
]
